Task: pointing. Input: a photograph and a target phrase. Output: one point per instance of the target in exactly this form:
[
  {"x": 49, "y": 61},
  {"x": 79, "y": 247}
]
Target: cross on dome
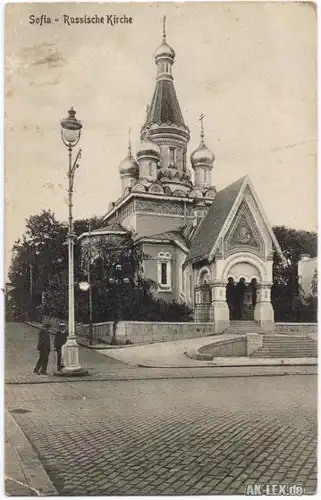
[
  {"x": 164, "y": 29},
  {"x": 201, "y": 118}
]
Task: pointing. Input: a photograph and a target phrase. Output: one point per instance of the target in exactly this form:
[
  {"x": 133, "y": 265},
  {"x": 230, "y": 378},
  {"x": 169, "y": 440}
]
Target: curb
[{"x": 37, "y": 480}]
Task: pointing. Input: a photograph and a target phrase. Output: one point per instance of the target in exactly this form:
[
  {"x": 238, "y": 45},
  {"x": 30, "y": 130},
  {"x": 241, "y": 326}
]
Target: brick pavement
[
  {"x": 205, "y": 436},
  {"x": 159, "y": 431}
]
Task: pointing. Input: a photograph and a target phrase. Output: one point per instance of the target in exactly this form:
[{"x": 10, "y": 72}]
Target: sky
[{"x": 250, "y": 67}]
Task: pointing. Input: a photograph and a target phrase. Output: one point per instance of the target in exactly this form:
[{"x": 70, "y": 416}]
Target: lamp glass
[
  {"x": 126, "y": 280},
  {"x": 70, "y": 136},
  {"x": 111, "y": 280},
  {"x": 84, "y": 286}
]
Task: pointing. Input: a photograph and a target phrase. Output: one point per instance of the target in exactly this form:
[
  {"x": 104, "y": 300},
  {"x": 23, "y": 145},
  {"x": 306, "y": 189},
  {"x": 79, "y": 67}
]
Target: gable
[
  {"x": 235, "y": 219},
  {"x": 244, "y": 234},
  {"x": 208, "y": 232}
]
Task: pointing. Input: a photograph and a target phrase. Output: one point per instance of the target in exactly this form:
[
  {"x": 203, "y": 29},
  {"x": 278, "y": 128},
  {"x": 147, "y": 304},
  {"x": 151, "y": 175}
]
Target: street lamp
[{"x": 70, "y": 134}]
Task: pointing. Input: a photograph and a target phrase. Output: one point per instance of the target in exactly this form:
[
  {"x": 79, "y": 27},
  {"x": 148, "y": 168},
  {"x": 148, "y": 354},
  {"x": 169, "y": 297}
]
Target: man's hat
[{"x": 62, "y": 323}]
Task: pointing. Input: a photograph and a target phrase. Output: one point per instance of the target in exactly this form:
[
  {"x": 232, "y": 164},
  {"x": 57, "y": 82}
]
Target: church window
[
  {"x": 172, "y": 156},
  {"x": 184, "y": 160},
  {"x": 164, "y": 271}
]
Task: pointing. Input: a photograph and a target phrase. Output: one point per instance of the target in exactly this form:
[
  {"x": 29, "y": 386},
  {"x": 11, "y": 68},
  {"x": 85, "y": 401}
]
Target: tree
[
  {"x": 287, "y": 295},
  {"x": 39, "y": 264},
  {"x": 117, "y": 294}
]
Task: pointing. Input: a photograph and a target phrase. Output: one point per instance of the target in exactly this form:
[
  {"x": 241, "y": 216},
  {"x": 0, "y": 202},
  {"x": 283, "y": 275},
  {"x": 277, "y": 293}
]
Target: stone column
[
  {"x": 220, "y": 310},
  {"x": 263, "y": 312}
]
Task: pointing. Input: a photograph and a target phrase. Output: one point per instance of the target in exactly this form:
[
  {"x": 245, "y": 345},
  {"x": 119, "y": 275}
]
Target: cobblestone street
[{"x": 176, "y": 436}]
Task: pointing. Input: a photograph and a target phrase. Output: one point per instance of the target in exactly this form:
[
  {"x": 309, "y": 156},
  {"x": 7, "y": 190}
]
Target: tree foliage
[
  {"x": 288, "y": 298},
  {"x": 40, "y": 262}
]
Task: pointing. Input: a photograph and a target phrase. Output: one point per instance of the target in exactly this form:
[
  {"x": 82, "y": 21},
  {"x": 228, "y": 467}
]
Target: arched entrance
[
  {"x": 242, "y": 274},
  {"x": 203, "y": 297},
  {"x": 241, "y": 298}
]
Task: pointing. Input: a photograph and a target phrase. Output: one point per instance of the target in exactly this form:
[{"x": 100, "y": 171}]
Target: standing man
[
  {"x": 60, "y": 340},
  {"x": 44, "y": 350}
]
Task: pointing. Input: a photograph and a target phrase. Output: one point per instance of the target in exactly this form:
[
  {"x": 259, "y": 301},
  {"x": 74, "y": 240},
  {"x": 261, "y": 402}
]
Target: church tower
[
  {"x": 165, "y": 124},
  {"x": 158, "y": 194}
]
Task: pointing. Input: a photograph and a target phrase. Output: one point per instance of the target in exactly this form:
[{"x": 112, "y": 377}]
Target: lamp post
[{"x": 70, "y": 134}]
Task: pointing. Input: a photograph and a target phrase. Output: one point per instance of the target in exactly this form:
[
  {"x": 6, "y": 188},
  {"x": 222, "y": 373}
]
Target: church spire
[{"x": 164, "y": 123}]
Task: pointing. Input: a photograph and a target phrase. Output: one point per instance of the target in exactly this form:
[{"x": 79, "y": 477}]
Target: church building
[{"x": 211, "y": 249}]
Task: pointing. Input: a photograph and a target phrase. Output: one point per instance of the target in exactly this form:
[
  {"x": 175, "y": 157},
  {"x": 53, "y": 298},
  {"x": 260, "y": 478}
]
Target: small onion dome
[
  {"x": 129, "y": 166},
  {"x": 148, "y": 148},
  {"x": 164, "y": 50},
  {"x": 202, "y": 155}
]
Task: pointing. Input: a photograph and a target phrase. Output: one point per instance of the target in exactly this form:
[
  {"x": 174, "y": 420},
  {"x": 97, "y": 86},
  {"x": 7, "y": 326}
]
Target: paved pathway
[
  {"x": 165, "y": 354},
  {"x": 21, "y": 356},
  {"x": 166, "y": 436}
]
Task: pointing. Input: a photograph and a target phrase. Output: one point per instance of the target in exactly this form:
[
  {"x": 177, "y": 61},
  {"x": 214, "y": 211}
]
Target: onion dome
[
  {"x": 165, "y": 50},
  {"x": 129, "y": 166},
  {"x": 148, "y": 148},
  {"x": 202, "y": 155}
]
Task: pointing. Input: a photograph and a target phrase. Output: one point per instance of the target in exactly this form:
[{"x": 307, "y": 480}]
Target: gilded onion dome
[
  {"x": 129, "y": 165},
  {"x": 202, "y": 155},
  {"x": 148, "y": 148},
  {"x": 165, "y": 50}
]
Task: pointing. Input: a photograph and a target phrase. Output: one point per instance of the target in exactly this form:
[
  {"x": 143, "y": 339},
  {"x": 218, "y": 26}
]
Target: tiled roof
[
  {"x": 210, "y": 228},
  {"x": 114, "y": 226},
  {"x": 164, "y": 106},
  {"x": 177, "y": 234}
]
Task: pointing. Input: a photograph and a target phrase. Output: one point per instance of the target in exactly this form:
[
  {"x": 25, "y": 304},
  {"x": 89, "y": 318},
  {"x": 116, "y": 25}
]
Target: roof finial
[
  {"x": 129, "y": 142},
  {"x": 164, "y": 29},
  {"x": 202, "y": 127}
]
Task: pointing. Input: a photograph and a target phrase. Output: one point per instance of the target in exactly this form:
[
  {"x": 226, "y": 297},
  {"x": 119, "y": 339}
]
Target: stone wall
[
  {"x": 139, "y": 332},
  {"x": 226, "y": 348},
  {"x": 300, "y": 328},
  {"x": 254, "y": 342}
]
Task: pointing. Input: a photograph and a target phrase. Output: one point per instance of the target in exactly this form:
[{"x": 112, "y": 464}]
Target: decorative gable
[{"x": 243, "y": 234}]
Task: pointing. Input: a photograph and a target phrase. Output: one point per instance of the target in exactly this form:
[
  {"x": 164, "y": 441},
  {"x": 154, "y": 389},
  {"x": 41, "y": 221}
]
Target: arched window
[{"x": 164, "y": 271}]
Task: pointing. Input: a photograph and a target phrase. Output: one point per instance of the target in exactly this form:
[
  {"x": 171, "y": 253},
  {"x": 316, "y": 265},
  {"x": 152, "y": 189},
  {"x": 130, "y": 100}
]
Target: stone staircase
[
  {"x": 242, "y": 327},
  {"x": 285, "y": 346}
]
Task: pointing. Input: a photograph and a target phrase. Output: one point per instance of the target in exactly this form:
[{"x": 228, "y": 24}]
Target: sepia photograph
[{"x": 160, "y": 260}]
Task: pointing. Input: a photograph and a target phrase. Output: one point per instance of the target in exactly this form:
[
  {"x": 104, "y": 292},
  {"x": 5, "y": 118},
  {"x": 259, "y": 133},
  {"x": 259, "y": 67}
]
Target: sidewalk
[
  {"x": 24, "y": 474},
  {"x": 165, "y": 354}
]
